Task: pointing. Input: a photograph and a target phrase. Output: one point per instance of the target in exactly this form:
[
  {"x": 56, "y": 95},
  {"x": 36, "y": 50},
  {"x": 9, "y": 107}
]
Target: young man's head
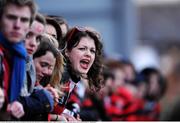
[
  {"x": 36, "y": 30},
  {"x": 15, "y": 18}
]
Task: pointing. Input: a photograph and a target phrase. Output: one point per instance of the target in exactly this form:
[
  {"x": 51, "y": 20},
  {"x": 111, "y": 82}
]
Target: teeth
[{"x": 85, "y": 61}]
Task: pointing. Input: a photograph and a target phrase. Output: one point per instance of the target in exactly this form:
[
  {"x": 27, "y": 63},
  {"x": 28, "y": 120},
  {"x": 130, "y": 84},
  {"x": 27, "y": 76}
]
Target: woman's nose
[
  {"x": 33, "y": 41},
  {"x": 88, "y": 52},
  {"x": 47, "y": 71}
]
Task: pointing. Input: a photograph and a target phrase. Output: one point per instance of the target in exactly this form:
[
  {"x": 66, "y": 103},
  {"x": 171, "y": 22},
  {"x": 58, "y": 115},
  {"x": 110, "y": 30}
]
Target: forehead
[
  {"x": 48, "y": 57},
  {"x": 87, "y": 41},
  {"x": 20, "y": 11},
  {"x": 37, "y": 27},
  {"x": 50, "y": 29}
]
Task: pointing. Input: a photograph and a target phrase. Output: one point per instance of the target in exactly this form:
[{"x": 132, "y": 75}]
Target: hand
[
  {"x": 70, "y": 118},
  {"x": 1, "y": 98},
  {"x": 78, "y": 118},
  {"x": 56, "y": 117},
  {"x": 16, "y": 109},
  {"x": 53, "y": 91}
]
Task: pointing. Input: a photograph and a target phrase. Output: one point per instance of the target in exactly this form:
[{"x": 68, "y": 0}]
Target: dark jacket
[{"x": 36, "y": 105}]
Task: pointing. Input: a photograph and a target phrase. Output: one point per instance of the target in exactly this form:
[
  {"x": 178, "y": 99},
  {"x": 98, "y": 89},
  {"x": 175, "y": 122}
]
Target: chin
[
  {"x": 14, "y": 40},
  {"x": 83, "y": 72}
]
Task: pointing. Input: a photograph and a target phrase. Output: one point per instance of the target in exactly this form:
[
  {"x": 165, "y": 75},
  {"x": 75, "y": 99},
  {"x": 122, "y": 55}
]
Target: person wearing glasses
[{"x": 83, "y": 56}]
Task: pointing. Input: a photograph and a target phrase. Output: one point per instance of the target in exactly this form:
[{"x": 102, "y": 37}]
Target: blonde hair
[
  {"x": 52, "y": 40},
  {"x": 59, "y": 64}
]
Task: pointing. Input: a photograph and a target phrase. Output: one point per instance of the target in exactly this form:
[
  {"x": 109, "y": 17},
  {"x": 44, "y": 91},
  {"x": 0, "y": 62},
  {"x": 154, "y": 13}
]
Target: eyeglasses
[{"x": 82, "y": 29}]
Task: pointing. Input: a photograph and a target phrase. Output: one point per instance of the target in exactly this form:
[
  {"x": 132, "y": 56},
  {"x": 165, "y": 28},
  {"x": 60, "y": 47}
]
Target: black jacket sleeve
[{"x": 39, "y": 102}]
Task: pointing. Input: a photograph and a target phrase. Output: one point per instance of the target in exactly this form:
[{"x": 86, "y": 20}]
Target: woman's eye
[
  {"x": 82, "y": 49},
  {"x": 43, "y": 64},
  {"x": 30, "y": 34},
  {"x": 93, "y": 51},
  {"x": 38, "y": 39}
]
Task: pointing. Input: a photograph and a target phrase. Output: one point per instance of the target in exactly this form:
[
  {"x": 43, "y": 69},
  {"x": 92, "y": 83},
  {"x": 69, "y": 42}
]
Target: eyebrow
[{"x": 87, "y": 47}]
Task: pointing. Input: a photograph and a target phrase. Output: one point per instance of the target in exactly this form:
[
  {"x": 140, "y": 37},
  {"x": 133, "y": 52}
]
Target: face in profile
[
  {"x": 83, "y": 55},
  {"x": 51, "y": 30},
  {"x": 31, "y": 41},
  {"x": 64, "y": 29},
  {"x": 44, "y": 65},
  {"x": 119, "y": 77},
  {"x": 154, "y": 87},
  {"x": 15, "y": 22}
]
